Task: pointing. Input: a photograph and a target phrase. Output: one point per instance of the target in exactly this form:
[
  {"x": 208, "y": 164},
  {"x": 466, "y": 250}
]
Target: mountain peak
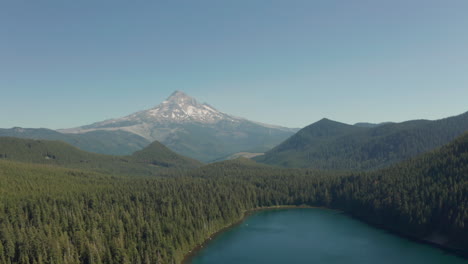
[
  {"x": 195, "y": 129},
  {"x": 180, "y": 107},
  {"x": 178, "y": 93},
  {"x": 326, "y": 128},
  {"x": 178, "y": 96},
  {"x": 329, "y": 122},
  {"x": 325, "y": 120},
  {"x": 181, "y": 100}
]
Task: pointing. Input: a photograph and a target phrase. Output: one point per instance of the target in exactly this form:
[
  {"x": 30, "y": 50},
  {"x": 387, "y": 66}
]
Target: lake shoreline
[
  {"x": 192, "y": 253},
  {"x": 422, "y": 240},
  {"x": 456, "y": 251}
]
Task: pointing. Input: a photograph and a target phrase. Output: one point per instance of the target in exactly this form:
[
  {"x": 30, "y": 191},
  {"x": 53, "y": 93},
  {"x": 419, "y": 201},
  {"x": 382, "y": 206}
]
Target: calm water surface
[{"x": 309, "y": 235}]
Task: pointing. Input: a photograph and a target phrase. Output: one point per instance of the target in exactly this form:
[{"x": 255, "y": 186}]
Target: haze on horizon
[{"x": 70, "y": 63}]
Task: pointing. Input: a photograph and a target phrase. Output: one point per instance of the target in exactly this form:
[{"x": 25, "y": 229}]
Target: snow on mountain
[
  {"x": 178, "y": 108},
  {"x": 194, "y": 129}
]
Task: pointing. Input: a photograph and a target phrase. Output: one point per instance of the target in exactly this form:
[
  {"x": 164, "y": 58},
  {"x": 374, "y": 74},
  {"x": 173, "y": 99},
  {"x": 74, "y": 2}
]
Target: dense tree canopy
[
  {"x": 327, "y": 144},
  {"x": 51, "y": 214},
  {"x": 148, "y": 161}
]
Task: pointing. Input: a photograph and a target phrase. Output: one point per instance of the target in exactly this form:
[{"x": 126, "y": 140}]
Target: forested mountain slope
[
  {"x": 331, "y": 145},
  {"x": 61, "y": 215},
  {"x": 104, "y": 142},
  {"x": 159, "y": 155},
  {"x": 58, "y": 153},
  {"x": 425, "y": 197}
]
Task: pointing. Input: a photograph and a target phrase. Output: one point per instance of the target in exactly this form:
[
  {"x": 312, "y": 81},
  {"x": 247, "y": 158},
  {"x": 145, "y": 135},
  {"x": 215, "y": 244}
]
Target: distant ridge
[
  {"x": 328, "y": 144},
  {"x": 104, "y": 142},
  {"x": 146, "y": 161}
]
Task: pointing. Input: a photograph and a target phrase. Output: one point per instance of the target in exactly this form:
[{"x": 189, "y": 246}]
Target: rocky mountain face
[{"x": 194, "y": 129}]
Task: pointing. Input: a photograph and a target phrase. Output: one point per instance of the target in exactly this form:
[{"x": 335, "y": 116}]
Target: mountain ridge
[
  {"x": 332, "y": 145},
  {"x": 58, "y": 153},
  {"x": 193, "y": 129},
  {"x": 102, "y": 142}
]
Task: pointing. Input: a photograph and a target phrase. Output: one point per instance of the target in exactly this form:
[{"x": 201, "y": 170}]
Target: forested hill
[
  {"x": 322, "y": 132},
  {"x": 116, "y": 142},
  {"x": 159, "y": 155},
  {"x": 238, "y": 164},
  {"x": 58, "y": 153},
  {"x": 331, "y": 145},
  {"x": 425, "y": 197},
  {"x": 61, "y": 215}
]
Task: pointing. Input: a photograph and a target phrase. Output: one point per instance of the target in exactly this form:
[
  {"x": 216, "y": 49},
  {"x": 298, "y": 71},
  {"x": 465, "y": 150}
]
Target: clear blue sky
[{"x": 67, "y": 63}]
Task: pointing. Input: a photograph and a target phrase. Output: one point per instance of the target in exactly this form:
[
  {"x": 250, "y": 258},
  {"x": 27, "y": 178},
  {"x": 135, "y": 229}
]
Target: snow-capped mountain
[
  {"x": 194, "y": 129},
  {"x": 178, "y": 108}
]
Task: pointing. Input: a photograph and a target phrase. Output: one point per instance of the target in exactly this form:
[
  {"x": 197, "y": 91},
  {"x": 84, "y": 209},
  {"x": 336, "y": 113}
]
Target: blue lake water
[{"x": 310, "y": 235}]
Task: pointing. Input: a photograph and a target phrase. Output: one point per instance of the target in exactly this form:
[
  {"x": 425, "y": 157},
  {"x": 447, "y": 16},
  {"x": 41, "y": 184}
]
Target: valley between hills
[{"x": 144, "y": 188}]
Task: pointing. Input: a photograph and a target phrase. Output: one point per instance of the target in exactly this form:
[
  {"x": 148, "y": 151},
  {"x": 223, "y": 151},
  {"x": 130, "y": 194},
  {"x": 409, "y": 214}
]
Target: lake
[{"x": 312, "y": 235}]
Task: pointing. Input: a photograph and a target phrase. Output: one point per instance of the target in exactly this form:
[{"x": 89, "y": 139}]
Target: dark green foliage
[
  {"x": 332, "y": 145},
  {"x": 234, "y": 164},
  {"x": 55, "y": 215},
  {"x": 104, "y": 142},
  {"x": 423, "y": 197},
  {"x": 60, "y": 215},
  {"x": 159, "y": 155},
  {"x": 144, "y": 162}
]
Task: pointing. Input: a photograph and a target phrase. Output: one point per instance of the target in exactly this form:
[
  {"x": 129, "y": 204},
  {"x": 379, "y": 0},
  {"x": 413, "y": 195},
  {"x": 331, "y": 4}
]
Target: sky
[{"x": 67, "y": 63}]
